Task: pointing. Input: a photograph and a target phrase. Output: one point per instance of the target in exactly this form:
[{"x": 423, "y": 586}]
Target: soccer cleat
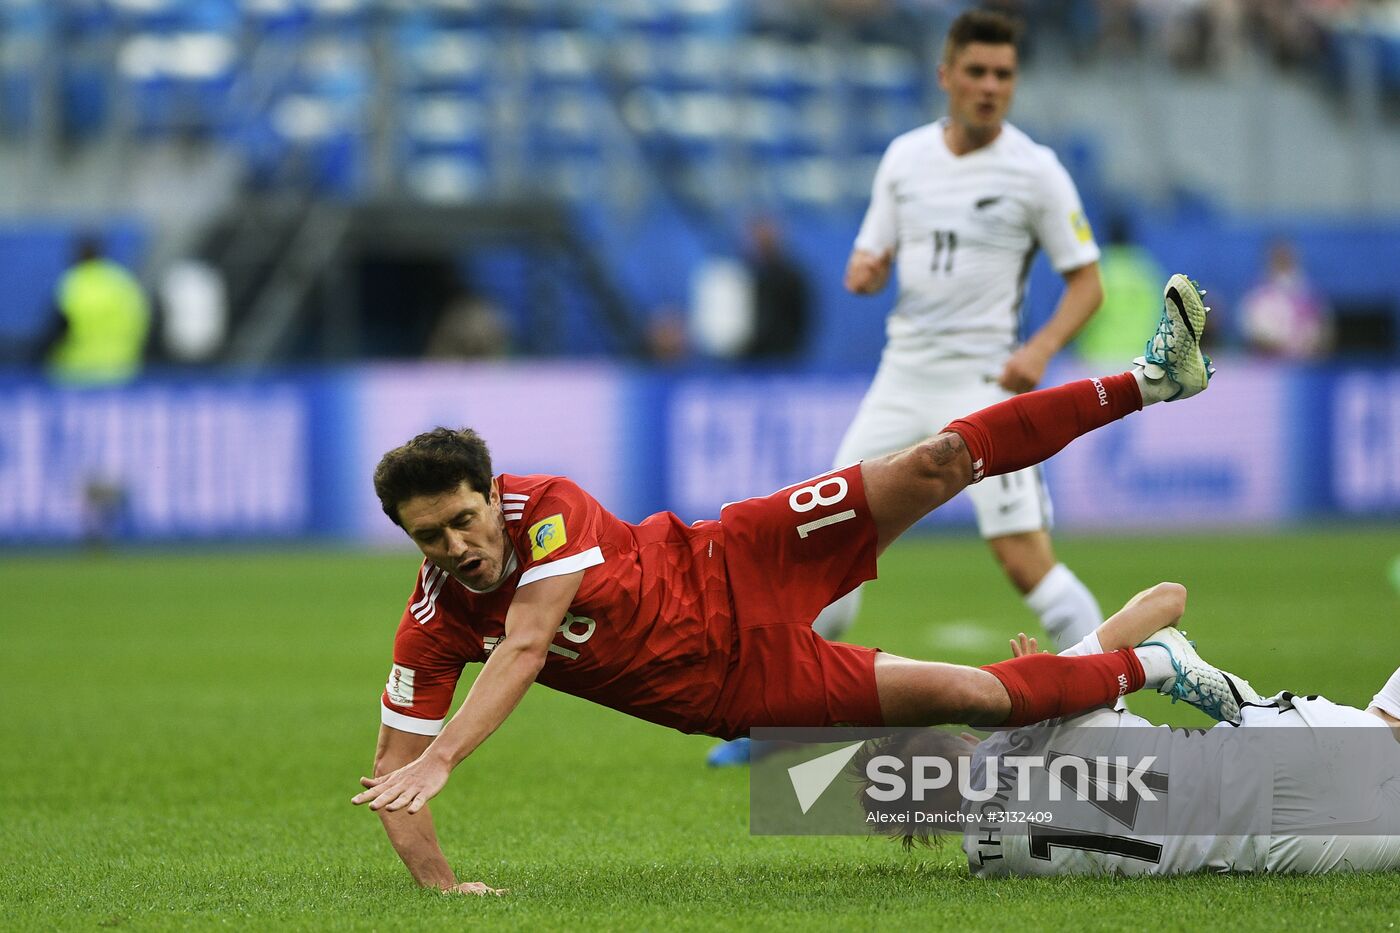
[
  {"x": 739, "y": 752},
  {"x": 1174, "y": 352},
  {"x": 1219, "y": 694},
  {"x": 731, "y": 754}
]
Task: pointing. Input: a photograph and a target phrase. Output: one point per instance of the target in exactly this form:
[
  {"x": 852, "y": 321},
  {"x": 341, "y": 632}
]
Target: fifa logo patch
[
  {"x": 547, "y": 536},
  {"x": 1080, "y": 223},
  {"x": 400, "y": 685}
]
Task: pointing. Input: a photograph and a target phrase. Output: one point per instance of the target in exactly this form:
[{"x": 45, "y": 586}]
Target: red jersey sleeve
[
  {"x": 564, "y": 530},
  {"x": 426, "y": 666}
]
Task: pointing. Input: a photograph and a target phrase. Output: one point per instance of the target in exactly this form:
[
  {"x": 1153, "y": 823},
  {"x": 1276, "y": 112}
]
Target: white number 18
[{"x": 808, "y": 498}]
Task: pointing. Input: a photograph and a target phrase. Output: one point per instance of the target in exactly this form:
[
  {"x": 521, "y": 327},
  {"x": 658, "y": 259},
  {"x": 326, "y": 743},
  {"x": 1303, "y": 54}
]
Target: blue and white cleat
[
  {"x": 1174, "y": 352},
  {"x": 1219, "y": 694},
  {"x": 731, "y": 754},
  {"x": 737, "y": 753}
]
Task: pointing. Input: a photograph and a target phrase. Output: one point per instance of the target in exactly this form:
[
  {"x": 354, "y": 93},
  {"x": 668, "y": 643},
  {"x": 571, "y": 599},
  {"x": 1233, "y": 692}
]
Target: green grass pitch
[{"x": 183, "y": 733}]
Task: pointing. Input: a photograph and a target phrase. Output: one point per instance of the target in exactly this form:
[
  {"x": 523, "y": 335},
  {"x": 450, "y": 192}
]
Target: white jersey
[
  {"x": 965, "y": 229},
  {"x": 1224, "y": 808}
]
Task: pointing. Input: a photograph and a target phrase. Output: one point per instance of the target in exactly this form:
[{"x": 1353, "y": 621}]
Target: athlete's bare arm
[
  {"x": 867, "y": 272},
  {"x": 411, "y": 834},
  {"x": 1391, "y": 721},
  {"x": 1154, "y": 608},
  {"x": 1082, "y": 297},
  {"x": 531, "y": 623}
]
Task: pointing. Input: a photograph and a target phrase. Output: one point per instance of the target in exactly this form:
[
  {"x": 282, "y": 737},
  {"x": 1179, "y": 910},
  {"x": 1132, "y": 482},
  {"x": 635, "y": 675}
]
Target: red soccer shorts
[{"x": 788, "y": 556}]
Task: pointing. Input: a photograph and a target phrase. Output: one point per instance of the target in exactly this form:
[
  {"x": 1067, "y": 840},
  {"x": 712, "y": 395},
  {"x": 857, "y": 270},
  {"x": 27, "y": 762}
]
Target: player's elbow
[{"x": 1172, "y": 596}]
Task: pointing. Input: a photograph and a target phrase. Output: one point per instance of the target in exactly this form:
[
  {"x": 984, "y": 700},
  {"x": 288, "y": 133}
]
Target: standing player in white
[{"x": 963, "y": 204}]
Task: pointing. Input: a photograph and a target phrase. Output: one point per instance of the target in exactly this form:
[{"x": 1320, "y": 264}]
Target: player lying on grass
[
  {"x": 1243, "y": 801},
  {"x": 707, "y": 627}
]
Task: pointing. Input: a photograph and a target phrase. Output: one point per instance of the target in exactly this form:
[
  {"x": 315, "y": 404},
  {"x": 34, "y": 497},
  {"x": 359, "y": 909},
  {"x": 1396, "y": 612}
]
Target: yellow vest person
[{"x": 107, "y": 318}]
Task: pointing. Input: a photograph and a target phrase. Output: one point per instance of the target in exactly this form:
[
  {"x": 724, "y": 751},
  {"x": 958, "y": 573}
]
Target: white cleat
[
  {"x": 1219, "y": 694},
  {"x": 1174, "y": 352}
]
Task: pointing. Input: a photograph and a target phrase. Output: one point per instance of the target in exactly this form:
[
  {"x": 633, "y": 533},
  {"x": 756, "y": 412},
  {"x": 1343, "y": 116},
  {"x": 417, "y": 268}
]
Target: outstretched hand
[
  {"x": 411, "y": 786},
  {"x": 1022, "y": 646}
]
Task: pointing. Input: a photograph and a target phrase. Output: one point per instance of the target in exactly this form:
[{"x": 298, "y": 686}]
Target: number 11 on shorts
[{"x": 808, "y": 498}]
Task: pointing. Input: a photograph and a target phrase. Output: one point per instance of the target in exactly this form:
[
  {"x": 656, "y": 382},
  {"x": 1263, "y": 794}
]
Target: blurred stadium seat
[{"x": 711, "y": 109}]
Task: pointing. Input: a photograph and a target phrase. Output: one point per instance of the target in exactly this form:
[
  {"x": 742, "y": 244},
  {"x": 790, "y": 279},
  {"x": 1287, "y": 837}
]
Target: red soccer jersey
[{"x": 649, "y": 632}]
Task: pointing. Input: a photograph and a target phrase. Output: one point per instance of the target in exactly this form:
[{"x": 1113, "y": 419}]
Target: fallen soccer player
[
  {"x": 1292, "y": 784},
  {"x": 706, "y": 628}
]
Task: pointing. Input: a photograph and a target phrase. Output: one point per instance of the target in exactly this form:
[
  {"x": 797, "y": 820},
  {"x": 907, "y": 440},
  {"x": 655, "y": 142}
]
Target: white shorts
[{"x": 900, "y": 409}]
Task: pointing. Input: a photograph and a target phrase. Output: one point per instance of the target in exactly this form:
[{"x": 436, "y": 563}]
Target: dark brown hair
[
  {"x": 985, "y": 26},
  {"x": 434, "y": 462}
]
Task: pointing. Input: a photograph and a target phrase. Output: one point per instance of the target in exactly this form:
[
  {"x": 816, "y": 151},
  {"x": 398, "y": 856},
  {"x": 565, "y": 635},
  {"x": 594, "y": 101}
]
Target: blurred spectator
[
  {"x": 1284, "y": 315},
  {"x": 1121, "y": 27},
  {"x": 98, "y": 337},
  {"x": 1289, "y": 32},
  {"x": 721, "y": 307},
  {"x": 469, "y": 325},
  {"x": 667, "y": 341},
  {"x": 194, "y": 311},
  {"x": 101, "y": 321},
  {"x": 1132, "y": 288},
  {"x": 781, "y": 297}
]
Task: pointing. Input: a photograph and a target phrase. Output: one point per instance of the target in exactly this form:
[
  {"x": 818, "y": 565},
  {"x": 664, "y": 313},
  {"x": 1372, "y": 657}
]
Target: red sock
[
  {"x": 1031, "y": 428},
  {"x": 1043, "y": 686}
]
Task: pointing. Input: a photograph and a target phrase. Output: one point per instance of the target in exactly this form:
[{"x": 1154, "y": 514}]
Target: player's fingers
[
  {"x": 367, "y": 796},
  {"x": 385, "y": 797},
  {"x": 401, "y": 800},
  {"x": 372, "y": 781},
  {"x": 417, "y": 804}
]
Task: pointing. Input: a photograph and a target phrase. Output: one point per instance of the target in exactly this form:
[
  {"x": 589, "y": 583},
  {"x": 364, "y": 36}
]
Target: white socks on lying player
[
  {"x": 1157, "y": 668},
  {"x": 1066, "y": 608},
  {"x": 1156, "y": 661},
  {"x": 1388, "y": 700},
  {"x": 1089, "y": 644}
]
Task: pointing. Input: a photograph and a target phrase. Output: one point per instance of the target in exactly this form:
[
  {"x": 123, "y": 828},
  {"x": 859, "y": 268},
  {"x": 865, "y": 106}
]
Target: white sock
[
  {"x": 1153, "y": 390},
  {"x": 839, "y": 616},
  {"x": 1065, "y": 606},
  {"x": 1156, "y": 665},
  {"x": 1087, "y": 645},
  {"x": 1388, "y": 700}
]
